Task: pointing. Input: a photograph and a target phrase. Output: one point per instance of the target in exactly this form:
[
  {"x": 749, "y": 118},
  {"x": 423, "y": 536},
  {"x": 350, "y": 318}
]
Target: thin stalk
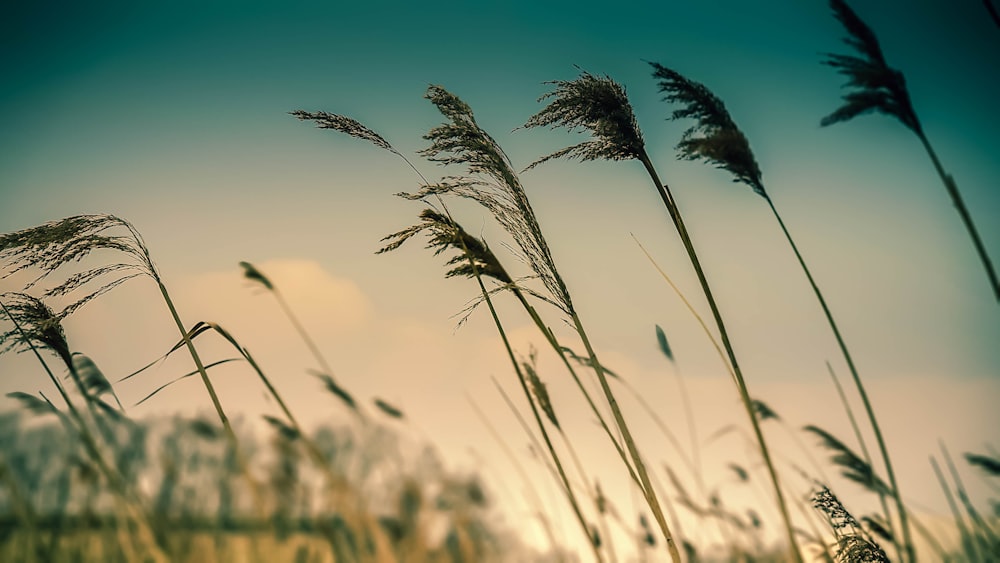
[
  {"x": 546, "y": 525},
  {"x": 591, "y": 491},
  {"x": 311, "y": 446},
  {"x": 313, "y": 348},
  {"x": 197, "y": 362},
  {"x": 640, "y": 467},
  {"x": 901, "y": 509},
  {"x": 128, "y": 503},
  {"x": 561, "y": 472},
  {"x": 984, "y": 534},
  {"x": 864, "y": 452},
  {"x": 956, "y": 199},
  {"x": 230, "y": 434},
  {"x": 678, "y": 221},
  {"x": 967, "y": 544},
  {"x": 551, "y": 339},
  {"x": 667, "y": 433},
  {"x": 527, "y": 393}
]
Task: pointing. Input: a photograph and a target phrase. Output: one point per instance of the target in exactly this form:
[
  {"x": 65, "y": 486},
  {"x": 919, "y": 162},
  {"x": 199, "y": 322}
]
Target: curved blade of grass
[{"x": 185, "y": 376}]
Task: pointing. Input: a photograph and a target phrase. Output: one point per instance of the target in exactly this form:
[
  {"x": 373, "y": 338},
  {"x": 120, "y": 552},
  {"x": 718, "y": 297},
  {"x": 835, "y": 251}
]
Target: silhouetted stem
[
  {"x": 907, "y": 541},
  {"x": 551, "y": 339},
  {"x": 640, "y": 467},
  {"x": 126, "y": 499},
  {"x": 230, "y": 434},
  {"x": 867, "y": 456},
  {"x": 539, "y": 505},
  {"x": 678, "y": 221},
  {"x": 570, "y": 495},
  {"x": 967, "y": 543},
  {"x": 956, "y": 199}
]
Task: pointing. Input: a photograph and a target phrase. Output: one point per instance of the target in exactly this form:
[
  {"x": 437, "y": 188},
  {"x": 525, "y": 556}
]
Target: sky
[{"x": 174, "y": 117}]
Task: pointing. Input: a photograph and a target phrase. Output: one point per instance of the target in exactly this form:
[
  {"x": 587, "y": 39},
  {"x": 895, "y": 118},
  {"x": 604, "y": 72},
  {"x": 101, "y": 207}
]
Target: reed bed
[{"x": 82, "y": 480}]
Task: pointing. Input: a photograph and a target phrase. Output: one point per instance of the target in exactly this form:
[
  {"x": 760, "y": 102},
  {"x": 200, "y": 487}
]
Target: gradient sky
[{"x": 174, "y": 117}]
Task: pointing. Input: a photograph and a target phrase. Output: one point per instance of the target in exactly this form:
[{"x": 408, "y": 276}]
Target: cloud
[{"x": 320, "y": 300}]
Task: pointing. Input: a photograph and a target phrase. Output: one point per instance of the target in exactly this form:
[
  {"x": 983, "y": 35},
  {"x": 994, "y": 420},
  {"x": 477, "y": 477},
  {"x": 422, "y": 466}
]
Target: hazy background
[{"x": 174, "y": 117}]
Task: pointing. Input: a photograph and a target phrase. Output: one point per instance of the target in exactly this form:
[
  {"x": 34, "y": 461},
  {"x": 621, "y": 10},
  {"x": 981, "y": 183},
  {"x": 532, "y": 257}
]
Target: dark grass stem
[
  {"x": 867, "y": 457},
  {"x": 741, "y": 386},
  {"x": 227, "y": 427},
  {"x": 968, "y": 545},
  {"x": 880, "y": 440},
  {"x": 640, "y": 466},
  {"x": 963, "y": 212},
  {"x": 127, "y": 501},
  {"x": 519, "y": 467},
  {"x": 560, "y": 472},
  {"x": 875, "y": 87},
  {"x": 382, "y": 143}
]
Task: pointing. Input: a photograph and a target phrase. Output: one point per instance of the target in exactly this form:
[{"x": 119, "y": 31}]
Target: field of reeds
[{"x": 81, "y": 479}]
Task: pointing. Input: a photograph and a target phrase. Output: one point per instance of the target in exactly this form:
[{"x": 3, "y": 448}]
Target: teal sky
[{"x": 174, "y": 117}]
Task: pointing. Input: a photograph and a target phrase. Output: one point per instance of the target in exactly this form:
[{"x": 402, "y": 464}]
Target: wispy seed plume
[
  {"x": 714, "y": 137},
  {"x": 596, "y": 104},
  {"x": 444, "y": 234},
  {"x": 873, "y": 86},
  {"x": 346, "y": 125}
]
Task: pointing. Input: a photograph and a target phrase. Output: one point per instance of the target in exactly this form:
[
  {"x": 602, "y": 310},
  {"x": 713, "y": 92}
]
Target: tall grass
[
  {"x": 716, "y": 139},
  {"x": 82, "y": 481},
  {"x": 601, "y": 106}
]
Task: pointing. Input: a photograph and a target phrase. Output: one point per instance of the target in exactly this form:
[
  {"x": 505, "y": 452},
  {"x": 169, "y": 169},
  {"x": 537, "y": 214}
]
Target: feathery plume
[
  {"x": 40, "y": 326},
  {"x": 852, "y": 466},
  {"x": 494, "y": 185},
  {"x": 52, "y": 245},
  {"x": 599, "y": 105},
  {"x": 444, "y": 234},
  {"x": 852, "y": 545},
  {"x": 874, "y": 85},
  {"x": 714, "y": 137},
  {"x": 352, "y": 127}
]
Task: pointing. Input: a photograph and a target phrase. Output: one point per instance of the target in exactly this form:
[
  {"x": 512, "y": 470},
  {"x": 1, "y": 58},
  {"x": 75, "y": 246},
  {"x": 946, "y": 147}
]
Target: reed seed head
[
  {"x": 763, "y": 411},
  {"x": 714, "y": 138},
  {"x": 495, "y": 186},
  {"x": 539, "y": 390},
  {"x": 251, "y": 273},
  {"x": 444, "y": 234},
  {"x": 873, "y": 85},
  {"x": 596, "y": 104},
  {"x": 35, "y": 324},
  {"x": 388, "y": 409},
  {"x": 852, "y": 545},
  {"x": 343, "y": 124},
  {"x": 990, "y": 465}
]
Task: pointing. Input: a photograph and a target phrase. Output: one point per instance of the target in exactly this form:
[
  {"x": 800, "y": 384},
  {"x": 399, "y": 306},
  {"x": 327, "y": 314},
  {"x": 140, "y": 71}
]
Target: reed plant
[
  {"x": 492, "y": 182},
  {"x": 474, "y": 258},
  {"x": 600, "y": 106},
  {"x": 51, "y": 246},
  {"x": 875, "y": 87},
  {"x": 717, "y": 140}
]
